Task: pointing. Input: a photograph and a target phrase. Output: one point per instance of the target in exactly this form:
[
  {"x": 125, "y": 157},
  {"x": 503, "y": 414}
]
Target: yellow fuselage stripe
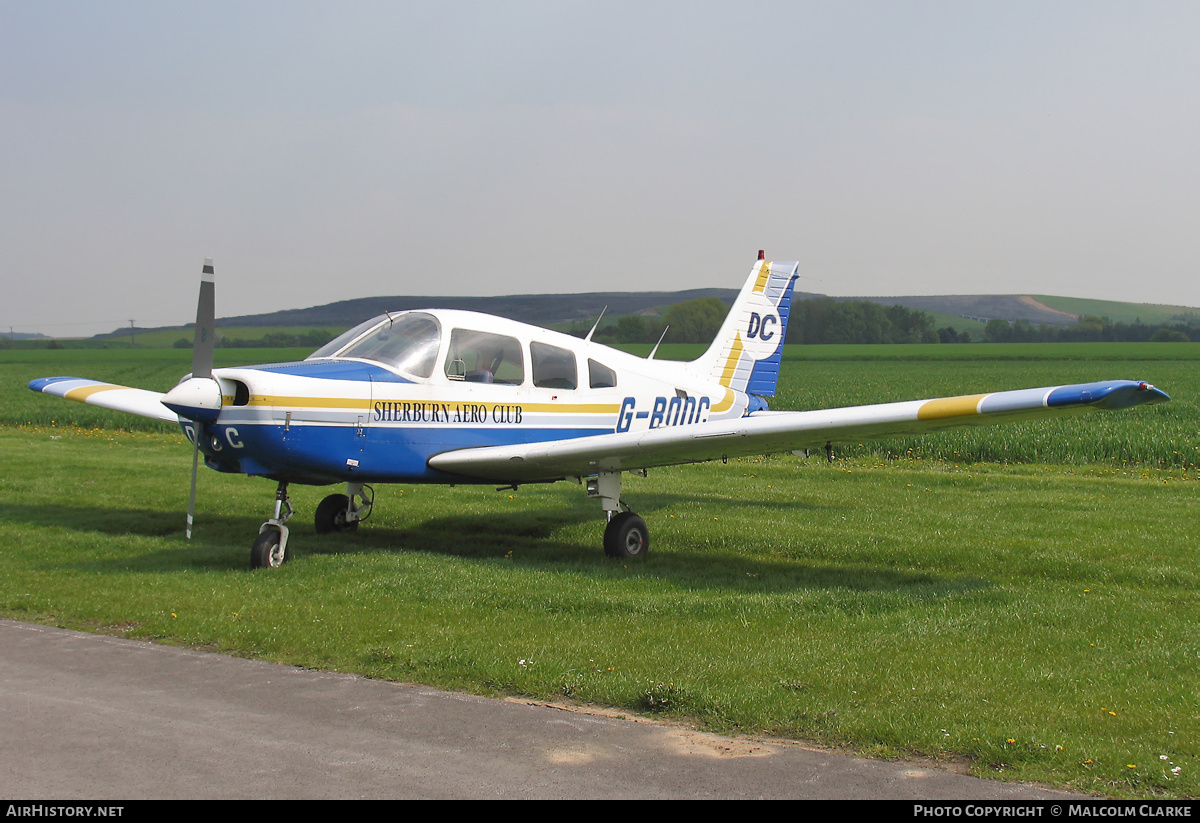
[{"x": 360, "y": 404}]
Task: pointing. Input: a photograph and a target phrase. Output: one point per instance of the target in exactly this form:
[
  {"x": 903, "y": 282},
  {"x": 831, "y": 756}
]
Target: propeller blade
[
  {"x": 199, "y": 397},
  {"x": 206, "y": 324},
  {"x": 202, "y": 363}
]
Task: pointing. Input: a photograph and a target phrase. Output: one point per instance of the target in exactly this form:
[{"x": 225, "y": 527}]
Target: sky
[{"x": 327, "y": 151}]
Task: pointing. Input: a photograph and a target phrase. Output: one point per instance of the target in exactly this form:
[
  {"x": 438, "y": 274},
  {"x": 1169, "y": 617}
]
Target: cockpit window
[
  {"x": 482, "y": 357},
  {"x": 408, "y": 343}
]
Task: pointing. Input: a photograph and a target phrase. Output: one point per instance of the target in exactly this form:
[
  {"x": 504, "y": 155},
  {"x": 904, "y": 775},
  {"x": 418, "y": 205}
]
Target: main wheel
[
  {"x": 268, "y": 551},
  {"x": 331, "y": 515},
  {"x": 626, "y": 536}
]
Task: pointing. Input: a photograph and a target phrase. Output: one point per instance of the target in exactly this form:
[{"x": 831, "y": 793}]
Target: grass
[{"x": 1037, "y": 621}]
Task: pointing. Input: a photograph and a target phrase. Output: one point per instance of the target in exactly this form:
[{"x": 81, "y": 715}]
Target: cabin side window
[
  {"x": 601, "y": 376},
  {"x": 482, "y": 357},
  {"x": 553, "y": 368}
]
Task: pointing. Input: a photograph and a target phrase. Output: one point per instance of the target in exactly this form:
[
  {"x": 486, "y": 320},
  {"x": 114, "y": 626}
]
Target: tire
[
  {"x": 331, "y": 515},
  {"x": 267, "y": 553},
  {"x": 626, "y": 537}
]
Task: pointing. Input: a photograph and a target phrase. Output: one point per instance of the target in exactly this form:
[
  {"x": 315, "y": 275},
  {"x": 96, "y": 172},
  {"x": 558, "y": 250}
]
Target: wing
[
  {"x": 107, "y": 395},
  {"x": 765, "y": 432}
]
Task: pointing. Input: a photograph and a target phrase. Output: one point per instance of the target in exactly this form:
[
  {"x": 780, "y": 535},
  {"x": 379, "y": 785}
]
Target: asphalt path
[{"x": 92, "y": 717}]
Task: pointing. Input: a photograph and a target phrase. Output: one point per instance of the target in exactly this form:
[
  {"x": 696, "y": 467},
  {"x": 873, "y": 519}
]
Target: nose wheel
[
  {"x": 270, "y": 547},
  {"x": 269, "y": 550}
]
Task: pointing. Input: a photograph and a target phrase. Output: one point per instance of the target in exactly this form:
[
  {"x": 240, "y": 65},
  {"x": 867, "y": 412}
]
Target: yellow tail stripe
[
  {"x": 731, "y": 362},
  {"x": 764, "y": 274}
]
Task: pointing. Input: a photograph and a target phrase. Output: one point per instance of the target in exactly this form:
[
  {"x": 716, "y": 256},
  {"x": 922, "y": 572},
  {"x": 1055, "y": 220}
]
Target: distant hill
[
  {"x": 566, "y": 309},
  {"x": 1149, "y": 313},
  {"x": 559, "y": 309},
  {"x": 540, "y": 309},
  {"x": 1039, "y": 309},
  {"x": 984, "y": 307}
]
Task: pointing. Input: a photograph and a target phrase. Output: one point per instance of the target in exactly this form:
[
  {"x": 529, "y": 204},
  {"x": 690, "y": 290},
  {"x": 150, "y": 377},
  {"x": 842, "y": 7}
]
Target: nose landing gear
[{"x": 270, "y": 547}]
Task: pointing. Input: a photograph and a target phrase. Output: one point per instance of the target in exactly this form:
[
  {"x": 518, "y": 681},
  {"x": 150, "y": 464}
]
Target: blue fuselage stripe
[{"x": 377, "y": 454}]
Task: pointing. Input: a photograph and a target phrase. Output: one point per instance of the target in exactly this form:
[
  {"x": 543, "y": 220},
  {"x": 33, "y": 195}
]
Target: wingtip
[
  {"x": 1156, "y": 395},
  {"x": 1115, "y": 394}
]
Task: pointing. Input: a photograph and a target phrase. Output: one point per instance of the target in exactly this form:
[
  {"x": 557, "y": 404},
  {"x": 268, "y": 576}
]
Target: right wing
[
  {"x": 107, "y": 395},
  {"x": 766, "y": 432}
]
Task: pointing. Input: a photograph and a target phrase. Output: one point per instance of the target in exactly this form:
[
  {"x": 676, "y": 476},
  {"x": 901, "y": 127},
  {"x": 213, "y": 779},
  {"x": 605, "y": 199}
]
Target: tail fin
[{"x": 746, "y": 353}]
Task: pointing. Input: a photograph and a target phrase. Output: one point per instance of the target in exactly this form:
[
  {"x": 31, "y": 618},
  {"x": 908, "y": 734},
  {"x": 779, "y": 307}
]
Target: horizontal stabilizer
[{"x": 107, "y": 395}]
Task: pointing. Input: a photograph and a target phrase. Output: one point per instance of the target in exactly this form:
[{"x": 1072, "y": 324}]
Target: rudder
[{"x": 746, "y": 353}]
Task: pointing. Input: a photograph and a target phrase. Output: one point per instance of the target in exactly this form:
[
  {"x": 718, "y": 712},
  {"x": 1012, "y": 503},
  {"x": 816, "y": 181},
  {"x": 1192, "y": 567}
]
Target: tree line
[
  {"x": 312, "y": 339},
  {"x": 1094, "y": 330},
  {"x": 811, "y": 321},
  {"x": 825, "y": 320}
]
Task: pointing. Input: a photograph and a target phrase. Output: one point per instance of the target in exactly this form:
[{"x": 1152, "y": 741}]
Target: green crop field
[{"x": 1019, "y": 601}]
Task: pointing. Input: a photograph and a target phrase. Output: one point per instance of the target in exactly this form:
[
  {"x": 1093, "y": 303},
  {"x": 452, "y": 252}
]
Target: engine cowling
[{"x": 197, "y": 398}]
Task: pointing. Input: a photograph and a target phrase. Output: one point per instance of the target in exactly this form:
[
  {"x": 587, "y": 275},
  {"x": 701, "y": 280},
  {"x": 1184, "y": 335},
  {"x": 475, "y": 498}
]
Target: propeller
[{"x": 198, "y": 398}]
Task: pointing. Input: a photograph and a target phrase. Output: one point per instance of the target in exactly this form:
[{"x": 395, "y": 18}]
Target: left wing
[
  {"x": 765, "y": 432},
  {"x": 107, "y": 395}
]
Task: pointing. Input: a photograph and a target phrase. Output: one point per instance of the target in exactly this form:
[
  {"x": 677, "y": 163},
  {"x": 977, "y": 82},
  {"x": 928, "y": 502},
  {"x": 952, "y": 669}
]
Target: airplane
[{"x": 458, "y": 397}]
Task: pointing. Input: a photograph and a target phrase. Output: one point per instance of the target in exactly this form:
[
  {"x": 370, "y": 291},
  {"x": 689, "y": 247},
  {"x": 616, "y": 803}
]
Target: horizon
[{"x": 118, "y": 331}]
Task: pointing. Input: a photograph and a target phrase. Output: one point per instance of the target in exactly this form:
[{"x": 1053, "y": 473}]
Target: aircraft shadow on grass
[{"x": 526, "y": 539}]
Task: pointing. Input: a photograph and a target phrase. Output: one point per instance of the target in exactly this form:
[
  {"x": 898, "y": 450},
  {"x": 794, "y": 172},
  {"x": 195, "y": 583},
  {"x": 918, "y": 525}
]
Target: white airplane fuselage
[{"x": 342, "y": 417}]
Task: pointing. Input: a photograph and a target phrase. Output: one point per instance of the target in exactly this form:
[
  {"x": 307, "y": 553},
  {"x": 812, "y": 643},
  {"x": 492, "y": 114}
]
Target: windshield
[
  {"x": 409, "y": 343},
  {"x": 336, "y": 344}
]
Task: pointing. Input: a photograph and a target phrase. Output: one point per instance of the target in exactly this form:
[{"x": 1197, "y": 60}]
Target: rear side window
[
  {"x": 553, "y": 368},
  {"x": 483, "y": 357},
  {"x": 601, "y": 376}
]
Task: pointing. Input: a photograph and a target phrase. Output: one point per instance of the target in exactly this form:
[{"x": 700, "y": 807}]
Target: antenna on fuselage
[
  {"x": 596, "y": 325},
  {"x": 659, "y": 343}
]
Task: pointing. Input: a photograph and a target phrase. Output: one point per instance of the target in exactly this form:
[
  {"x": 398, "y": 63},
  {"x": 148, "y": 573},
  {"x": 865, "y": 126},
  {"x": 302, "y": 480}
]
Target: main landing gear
[
  {"x": 342, "y": 512},
  {"x": 336, "y": 513},
  {"x": 626, "y": 536}
]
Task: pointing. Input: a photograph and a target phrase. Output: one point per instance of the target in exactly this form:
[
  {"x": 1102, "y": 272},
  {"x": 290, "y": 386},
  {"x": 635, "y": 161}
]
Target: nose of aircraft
[{"x": 197, "y": 398}]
